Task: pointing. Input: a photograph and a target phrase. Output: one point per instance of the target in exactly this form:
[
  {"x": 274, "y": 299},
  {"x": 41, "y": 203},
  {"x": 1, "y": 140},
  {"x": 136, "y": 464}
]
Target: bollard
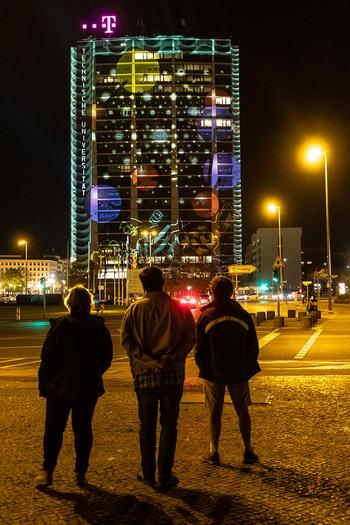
[
  {"x": 291, "y": 313},
  {"x": 18, "y": 314},
  {"x": 278, "y": 322},
  {"x": 313, "y": 316},
  {"x": 301, "y": 314},
  {"x": 306, "y": 321},
  {"x": 261, "y": 316},
  {"x": 255, "y": 320},
  {"x": 270, "y": 314},
  {"x": 318, "y": 314}
]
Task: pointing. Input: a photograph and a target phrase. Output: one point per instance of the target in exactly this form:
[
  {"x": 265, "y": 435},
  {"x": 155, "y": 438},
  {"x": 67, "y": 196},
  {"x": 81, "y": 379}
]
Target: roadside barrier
[
  {"x": 270, "y": 314},
  {"x": 278, "y": 322},
  {"x": 261, "y": 316},
  {"x": 291, "y": 313},
  {"x": 301, "y": 314},
  {"x": 306, "y": 321}
]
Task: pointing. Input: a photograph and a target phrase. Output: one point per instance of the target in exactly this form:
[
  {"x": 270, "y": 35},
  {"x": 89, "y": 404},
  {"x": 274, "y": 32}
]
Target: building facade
[
  {"x": 263, "y": 250},
  {"x": 52, "y": 270},
  {"x": 155, "y": 151}
]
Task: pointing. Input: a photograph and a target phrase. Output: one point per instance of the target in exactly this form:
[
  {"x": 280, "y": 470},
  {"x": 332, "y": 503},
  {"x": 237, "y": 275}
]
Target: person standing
[
  {"x": 227, "y": 355},
  {"x": 76, "y": 352},
  {"x": 157, "y": 333}
]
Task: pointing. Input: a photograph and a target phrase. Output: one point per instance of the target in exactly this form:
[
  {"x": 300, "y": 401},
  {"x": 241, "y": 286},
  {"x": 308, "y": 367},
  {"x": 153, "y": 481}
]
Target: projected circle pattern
[
  {"x": 222, "y": 171},
  {"x": 137, "y": 70},
  {"x": 103, "y": 204}
]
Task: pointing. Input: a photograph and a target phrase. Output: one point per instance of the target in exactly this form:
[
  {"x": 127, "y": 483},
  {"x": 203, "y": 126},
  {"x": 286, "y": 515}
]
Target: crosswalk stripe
[
  {"x": 268, "y": 338},
  {"x": 304, "y": 350}
]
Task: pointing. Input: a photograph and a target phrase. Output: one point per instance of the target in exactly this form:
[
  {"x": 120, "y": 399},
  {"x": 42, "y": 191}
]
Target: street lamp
[
  {"x": 273, "y": 208},
  {"x": 149, "y": 234},
  {"x": 315, "y": 154},
  {"x": 25, "y": 243}
]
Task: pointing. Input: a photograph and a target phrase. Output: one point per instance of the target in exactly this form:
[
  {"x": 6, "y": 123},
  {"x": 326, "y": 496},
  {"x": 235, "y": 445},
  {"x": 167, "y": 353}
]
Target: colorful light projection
[
  {"x": 103, "y": 204},
  {"x": 222, "y": 171},
  {"x": 137, "y": 70},
  {"x": 206, "y": 204},
  {"x": 144, "y": 177},
  {"x": 215, "y": 123},
  {"x": 108, "y": 24}
]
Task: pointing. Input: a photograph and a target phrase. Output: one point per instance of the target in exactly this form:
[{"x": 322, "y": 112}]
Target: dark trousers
[
  {"x": 168, "y": 399},
  {"x": 57, "y": 413}
]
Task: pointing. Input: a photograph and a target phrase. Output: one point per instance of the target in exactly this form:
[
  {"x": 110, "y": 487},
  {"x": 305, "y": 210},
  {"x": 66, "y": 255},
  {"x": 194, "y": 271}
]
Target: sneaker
[
  {"x": 212, "y": 458},
  {"x": 168, "y": 482},
  {"x": 80, "y": 479},
  {"x": 44, "y": 479},
  {"x": 147, "y": 481},
  {"x": 250, "y": 457}
]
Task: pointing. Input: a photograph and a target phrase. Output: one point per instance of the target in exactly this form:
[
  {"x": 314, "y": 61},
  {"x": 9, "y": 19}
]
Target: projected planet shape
[
  {"x": 144, "y": 177},
  {"x": 137, "y": 70},
  {"x": 222, "y": 171},
  {"x": 215, "y": 122},
  {"x": 103, "y": 204},
  {"x": 205, "y": 204}
]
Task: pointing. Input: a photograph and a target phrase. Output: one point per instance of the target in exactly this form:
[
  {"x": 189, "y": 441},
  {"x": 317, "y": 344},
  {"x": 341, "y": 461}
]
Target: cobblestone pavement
[{"x": 302, "y": 438}]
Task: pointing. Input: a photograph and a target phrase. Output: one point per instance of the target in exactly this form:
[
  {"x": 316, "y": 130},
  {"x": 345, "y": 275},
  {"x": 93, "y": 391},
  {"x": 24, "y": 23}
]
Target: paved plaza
[{"x": 301, "y": 431}]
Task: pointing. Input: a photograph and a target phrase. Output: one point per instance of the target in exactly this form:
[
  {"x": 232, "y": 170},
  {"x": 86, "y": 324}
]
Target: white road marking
[
  {"x": 304, "y": 350},
  {"x": 120, "y": 359},
  {"x": 7, "y": 347},
  {"x": 7, "y": 359},
  {"x": 20, "y": 364},
  {"x": 268, "y": 338}
]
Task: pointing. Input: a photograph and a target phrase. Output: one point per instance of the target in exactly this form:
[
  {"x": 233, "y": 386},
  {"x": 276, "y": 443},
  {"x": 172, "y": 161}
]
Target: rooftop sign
[{"x": 107, "y": 24}]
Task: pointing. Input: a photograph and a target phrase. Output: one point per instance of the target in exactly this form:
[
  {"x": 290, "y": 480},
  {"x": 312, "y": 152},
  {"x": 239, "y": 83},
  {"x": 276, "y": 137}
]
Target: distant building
[
  {"x": 263, "y": 250},
  {"x": 52, "y": 270},
  {"x": 155, "y": 146}
]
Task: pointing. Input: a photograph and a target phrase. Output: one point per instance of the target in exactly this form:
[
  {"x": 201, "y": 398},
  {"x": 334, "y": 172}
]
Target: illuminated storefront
[{"x": 155, "y": 146}]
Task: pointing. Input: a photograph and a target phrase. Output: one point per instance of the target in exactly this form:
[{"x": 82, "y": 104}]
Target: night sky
[{"x": 295, "y": 83}]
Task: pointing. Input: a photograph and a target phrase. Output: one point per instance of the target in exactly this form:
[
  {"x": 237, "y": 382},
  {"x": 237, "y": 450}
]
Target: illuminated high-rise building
[{"x": 155, "y": 146}]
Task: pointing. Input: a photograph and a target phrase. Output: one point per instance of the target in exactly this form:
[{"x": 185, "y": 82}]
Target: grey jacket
[{"x": 157, "y": 332}]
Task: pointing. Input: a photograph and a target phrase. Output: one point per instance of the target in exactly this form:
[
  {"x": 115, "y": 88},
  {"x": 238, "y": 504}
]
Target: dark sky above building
[{"x": 295, "y": 83}]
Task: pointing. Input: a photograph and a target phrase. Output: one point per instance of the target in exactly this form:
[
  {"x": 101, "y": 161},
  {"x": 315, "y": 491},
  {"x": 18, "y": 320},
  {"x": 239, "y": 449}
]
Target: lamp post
[
  {"x": 274, "y": 208},
  {"x": 315, "y": 154},
  {"x": 25, "y": 243},
  {"x": 149, "y": 234}
]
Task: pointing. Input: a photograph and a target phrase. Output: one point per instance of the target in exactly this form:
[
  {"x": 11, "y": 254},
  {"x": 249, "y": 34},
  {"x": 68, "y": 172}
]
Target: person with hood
[
  {"x": 76, "y": 353},
  {"x": 227, "y": 355}
]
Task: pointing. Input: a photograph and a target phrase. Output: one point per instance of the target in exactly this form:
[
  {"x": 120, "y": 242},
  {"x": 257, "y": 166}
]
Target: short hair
[
  {"x": 151, "y": 278},
  {"x": 79, "y": 300},
  {"x": 222, "y": 287}
]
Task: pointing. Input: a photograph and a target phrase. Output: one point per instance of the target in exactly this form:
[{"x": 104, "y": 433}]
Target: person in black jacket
[
  {"x": 227, "y": 354},
  {"x": 76, "y": 353}
]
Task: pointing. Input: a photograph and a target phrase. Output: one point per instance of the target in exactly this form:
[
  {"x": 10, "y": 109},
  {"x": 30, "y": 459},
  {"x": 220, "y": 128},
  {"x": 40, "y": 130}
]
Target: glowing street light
[
  {"x": 149, "y": 234},
  {"x": 315, "y": 154},
  {"x": 273, "y": 208},
  {"x": 24, "y": 243}
]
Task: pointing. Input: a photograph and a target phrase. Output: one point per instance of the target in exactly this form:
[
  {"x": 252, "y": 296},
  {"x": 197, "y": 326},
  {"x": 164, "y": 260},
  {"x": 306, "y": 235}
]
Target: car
[
  {"x": 190, "y": 301},
  {"x": 253, "y": 296},
  {"x": 204, "y": 298}
]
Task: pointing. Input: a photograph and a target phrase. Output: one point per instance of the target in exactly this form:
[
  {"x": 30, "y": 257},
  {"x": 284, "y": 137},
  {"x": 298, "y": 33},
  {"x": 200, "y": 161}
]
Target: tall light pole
[
  {"x": 149, "y": 234},
  {"x": 274, "y": 208},
  {"x": 25, "y": 243},
  {"x": 315, "y": 154}
]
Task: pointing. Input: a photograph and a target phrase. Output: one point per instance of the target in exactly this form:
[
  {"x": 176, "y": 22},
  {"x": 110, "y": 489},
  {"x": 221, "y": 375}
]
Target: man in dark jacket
[
  {"x": 76, "y": 353},
  {"x": 157, "y": 333},
  {"x": 226, "y": 353}
]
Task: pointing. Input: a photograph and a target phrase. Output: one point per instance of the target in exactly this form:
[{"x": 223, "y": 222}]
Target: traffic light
[{"x": 275, "y": 275}]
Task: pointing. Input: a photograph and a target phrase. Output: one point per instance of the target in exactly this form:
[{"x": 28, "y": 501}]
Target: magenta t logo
[{"x": 108, "y": 23}]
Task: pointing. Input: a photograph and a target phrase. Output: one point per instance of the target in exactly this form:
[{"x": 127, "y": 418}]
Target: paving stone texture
[{"x": 302, "y": 438}]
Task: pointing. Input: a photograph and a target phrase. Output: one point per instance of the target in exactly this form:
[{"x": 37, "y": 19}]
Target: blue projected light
[
  {"x": 160, "y": 135},
  {"x": 222, "y": 171},
  {"x": 215, "y": 122},
  {"x": 103, "y": 204}
]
